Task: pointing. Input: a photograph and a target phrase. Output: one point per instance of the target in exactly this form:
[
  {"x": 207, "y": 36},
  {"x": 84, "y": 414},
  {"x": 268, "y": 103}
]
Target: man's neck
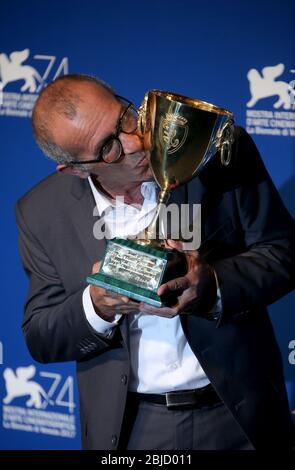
[{"x": 132, "y": 196}]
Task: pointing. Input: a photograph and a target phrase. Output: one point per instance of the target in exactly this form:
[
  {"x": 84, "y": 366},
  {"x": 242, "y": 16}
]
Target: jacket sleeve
[
  {"x": 54, "y": 326},
  {"x": 265, "y": 271}
]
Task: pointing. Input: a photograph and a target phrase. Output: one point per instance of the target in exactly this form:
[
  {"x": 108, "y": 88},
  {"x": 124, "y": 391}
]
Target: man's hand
[
  {"x": 197, "y": 287},
  {"x": 107, "y": 304}
]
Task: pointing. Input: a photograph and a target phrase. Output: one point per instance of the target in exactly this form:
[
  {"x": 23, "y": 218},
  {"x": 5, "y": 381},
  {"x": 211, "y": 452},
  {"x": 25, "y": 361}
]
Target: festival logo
[
  {"x": 262, "y": 86},
  {"x": 18, "y": 384},
  {"x": 21, "y": 82},
  {"x": 32, "y": 402},
  {"x": 12, "y": 69}
]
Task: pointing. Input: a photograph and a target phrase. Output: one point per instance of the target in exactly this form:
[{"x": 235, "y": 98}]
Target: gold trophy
[{"x": 180, "y": 135}]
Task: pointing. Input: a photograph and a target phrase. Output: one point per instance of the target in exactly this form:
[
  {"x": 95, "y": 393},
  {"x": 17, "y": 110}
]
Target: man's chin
[
  {"x": 151, "y": 178},
  {"x": 145, "y": 173}
]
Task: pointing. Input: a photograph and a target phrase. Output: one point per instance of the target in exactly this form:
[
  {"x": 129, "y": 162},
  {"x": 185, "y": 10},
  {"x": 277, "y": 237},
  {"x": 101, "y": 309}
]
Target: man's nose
[{"x": 132, "y": 143}]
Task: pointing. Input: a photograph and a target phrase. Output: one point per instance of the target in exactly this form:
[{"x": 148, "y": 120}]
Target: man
[{"x": 203, "y": 373}]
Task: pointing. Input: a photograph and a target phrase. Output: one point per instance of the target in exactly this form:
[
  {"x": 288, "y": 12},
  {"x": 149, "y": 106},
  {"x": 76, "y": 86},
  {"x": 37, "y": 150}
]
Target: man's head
[{"x": 72, "y": 119}]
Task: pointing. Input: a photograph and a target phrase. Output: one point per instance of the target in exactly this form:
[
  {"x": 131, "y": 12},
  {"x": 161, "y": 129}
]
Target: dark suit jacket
[{"x": 249, "y": 239}]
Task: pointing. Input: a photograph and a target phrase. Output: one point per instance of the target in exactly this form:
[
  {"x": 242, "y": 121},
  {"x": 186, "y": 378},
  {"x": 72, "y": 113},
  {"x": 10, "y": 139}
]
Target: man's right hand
[{"x": 107, "y": 304}]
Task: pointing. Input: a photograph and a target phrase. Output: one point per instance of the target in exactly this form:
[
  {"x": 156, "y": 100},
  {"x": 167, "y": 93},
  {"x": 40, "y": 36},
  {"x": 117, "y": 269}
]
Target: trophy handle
[
  {"x": 225, "y": 140},
  {"x": 142, "y": 114}
]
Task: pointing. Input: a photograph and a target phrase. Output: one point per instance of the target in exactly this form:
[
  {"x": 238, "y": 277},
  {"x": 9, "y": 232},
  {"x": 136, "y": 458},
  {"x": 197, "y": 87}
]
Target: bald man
[{"x": 203, "y": 373}]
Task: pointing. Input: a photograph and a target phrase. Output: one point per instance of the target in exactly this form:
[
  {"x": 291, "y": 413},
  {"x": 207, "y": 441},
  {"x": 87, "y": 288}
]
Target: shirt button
[
  {"x": 173, "y": 366},
  {"x": 124, "y": 379},
  {"x": 114, "y": 440}
]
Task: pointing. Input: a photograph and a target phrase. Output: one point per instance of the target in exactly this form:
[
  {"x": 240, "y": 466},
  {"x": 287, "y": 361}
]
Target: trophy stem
[{"x": 151, "y": 233}]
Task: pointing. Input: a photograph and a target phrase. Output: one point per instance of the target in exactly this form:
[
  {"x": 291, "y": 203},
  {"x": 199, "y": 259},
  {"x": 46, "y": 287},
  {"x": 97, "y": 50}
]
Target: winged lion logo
[
  {"x": 265, "y": 85},
  {"x": 18, "y": 384},
  {"x": 12, "y": 69}
]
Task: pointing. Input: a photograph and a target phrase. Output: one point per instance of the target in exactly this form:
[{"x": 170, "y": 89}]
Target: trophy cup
[{"x": 180, "y": 136}]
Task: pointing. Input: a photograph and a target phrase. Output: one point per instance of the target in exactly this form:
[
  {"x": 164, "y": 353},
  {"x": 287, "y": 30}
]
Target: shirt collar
[
  {"x": 102, "y": 201},
  {"x": 149, "y": 190}
]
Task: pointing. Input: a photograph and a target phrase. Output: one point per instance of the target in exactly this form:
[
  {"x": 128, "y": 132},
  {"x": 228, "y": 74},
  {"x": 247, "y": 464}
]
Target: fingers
[
  {"x": 127, "y": 309},
  {"x": 120, "y": 309},
  {"x": 100, "y": 295},
  {"x": 118, "y": 299},
  {"x": 176, "y": 244},
  {"x": 186, "y": 301},
  {"x": 114, "y": 295},
  {"x": 180, "y": 246},
  {"x": 178, "y": 284},
  {"x": 112, "y": 302},
  {"x": 108, "y": 295},
  {"x": 128, "y": 306},
  {"x": 161, "y": 312},
  {"x": 95, "y": 267}
]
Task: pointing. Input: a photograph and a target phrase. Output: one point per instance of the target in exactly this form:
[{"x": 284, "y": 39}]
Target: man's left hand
[{"x": 198, "y": 287}]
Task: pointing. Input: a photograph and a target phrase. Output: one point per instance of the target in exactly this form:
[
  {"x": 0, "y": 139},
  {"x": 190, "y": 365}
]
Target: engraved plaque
[
  {"x": 133, "y": 270},
  {"x": 129, "y": 265}
]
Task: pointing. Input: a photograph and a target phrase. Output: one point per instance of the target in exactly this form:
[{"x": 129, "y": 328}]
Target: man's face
[{"x": 96, "y": 119}]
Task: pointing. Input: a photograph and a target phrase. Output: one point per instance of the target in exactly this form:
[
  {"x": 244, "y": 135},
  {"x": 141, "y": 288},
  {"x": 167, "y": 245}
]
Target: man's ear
[{"x": 69, "y": 170}]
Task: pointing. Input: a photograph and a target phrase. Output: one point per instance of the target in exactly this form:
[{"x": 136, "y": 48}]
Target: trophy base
[
  {"x": 125, "y": 288},
  {"x": 131, "y": 269}
]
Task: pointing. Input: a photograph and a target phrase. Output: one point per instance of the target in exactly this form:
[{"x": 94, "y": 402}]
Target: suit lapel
[
  {"x": 186, "y": 197},
  {"x": 84, "y": 219},
  {"x": 205, "y": 190}
]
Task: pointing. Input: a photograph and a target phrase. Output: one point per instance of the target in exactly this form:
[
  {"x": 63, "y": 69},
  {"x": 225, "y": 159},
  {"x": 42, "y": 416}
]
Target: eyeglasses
[{"x": 112, "y": 148}]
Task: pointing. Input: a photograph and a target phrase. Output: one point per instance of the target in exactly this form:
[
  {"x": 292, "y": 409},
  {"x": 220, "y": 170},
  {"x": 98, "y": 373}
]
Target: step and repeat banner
[{"x": 238, "y": 55}]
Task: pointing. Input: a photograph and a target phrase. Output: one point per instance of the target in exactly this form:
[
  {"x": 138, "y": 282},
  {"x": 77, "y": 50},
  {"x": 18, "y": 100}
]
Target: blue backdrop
[{"x": 239, "y": 55}]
